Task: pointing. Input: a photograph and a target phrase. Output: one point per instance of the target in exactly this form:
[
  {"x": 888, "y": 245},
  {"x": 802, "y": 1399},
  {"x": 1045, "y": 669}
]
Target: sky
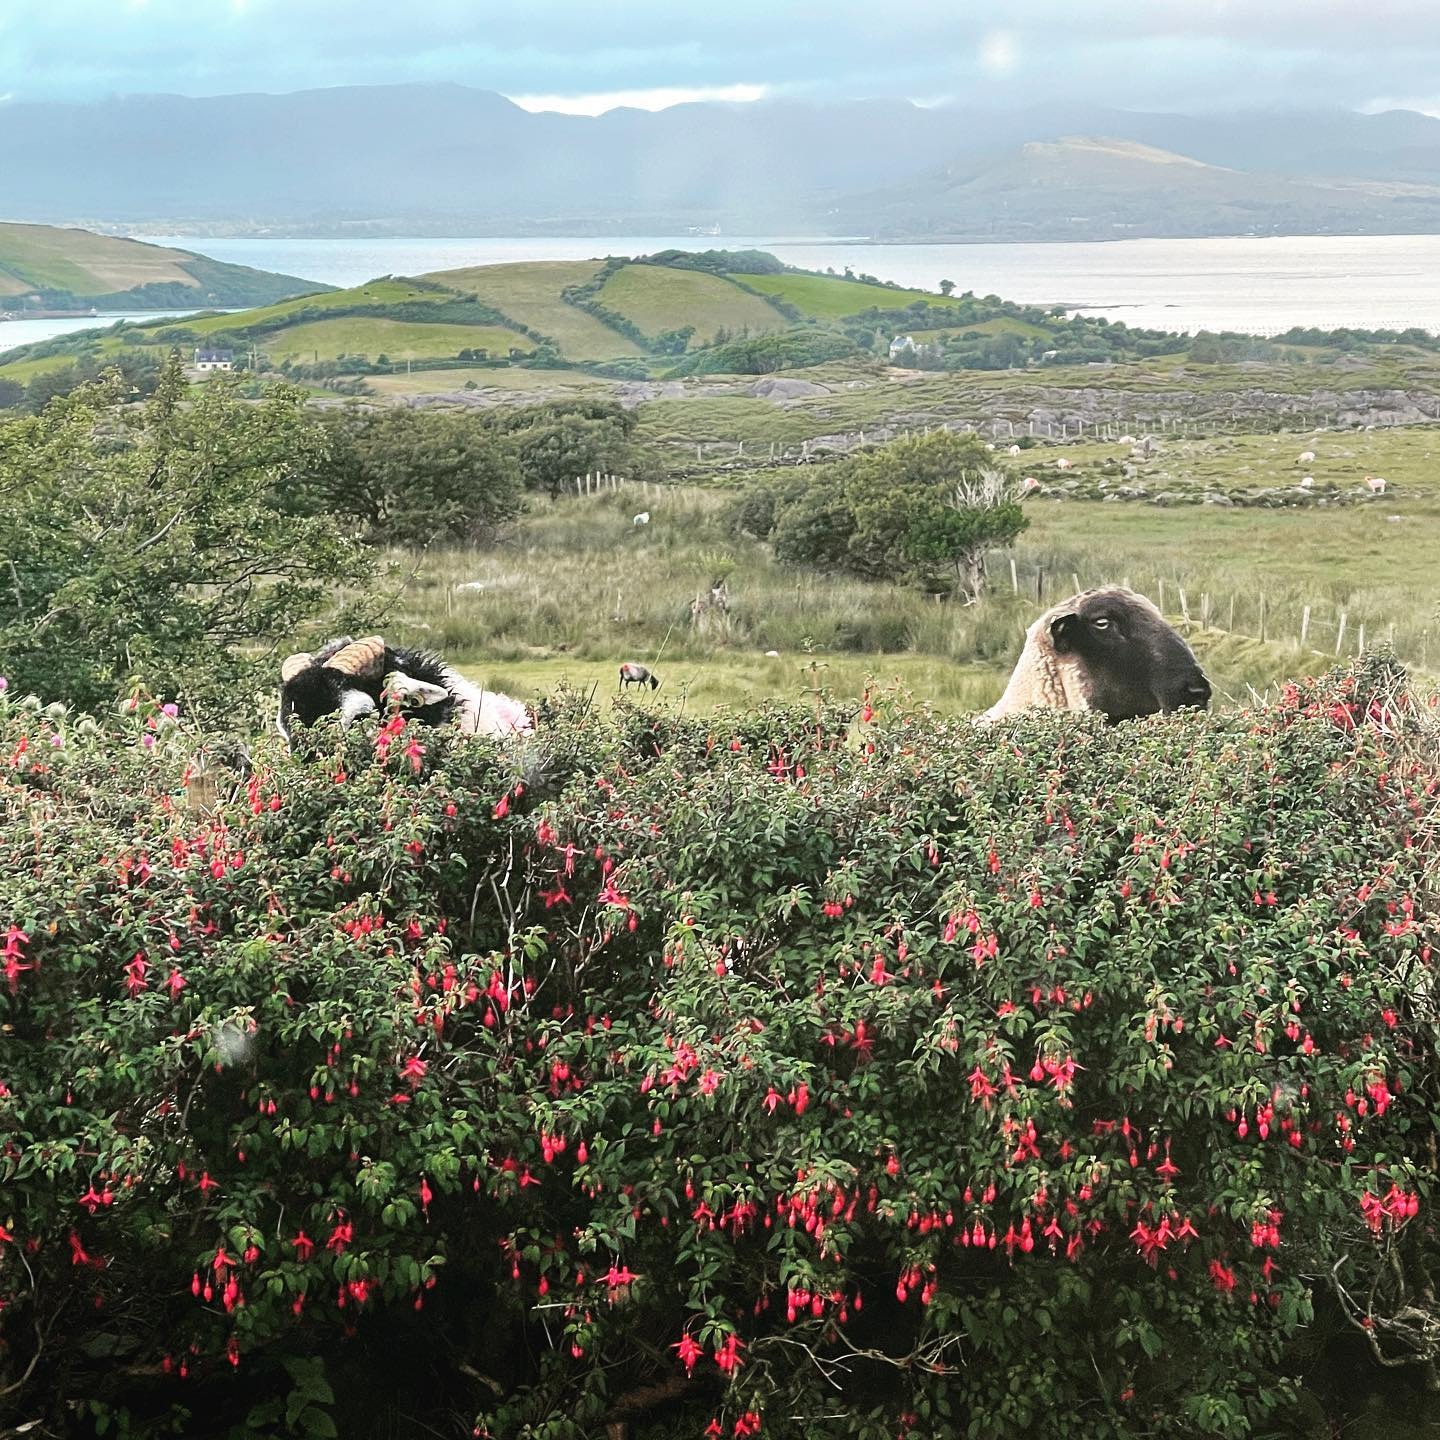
[{"x": 585, "y": 56}]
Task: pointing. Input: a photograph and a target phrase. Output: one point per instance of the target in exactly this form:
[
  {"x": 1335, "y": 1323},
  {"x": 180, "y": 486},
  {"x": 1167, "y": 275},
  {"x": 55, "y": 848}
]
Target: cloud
[
  {"x": 660, "y": 98},
  {"x": 1156, "y": 54}
]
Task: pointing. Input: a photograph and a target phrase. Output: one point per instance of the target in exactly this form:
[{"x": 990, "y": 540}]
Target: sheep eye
[{"x": 1100, "y": 623}]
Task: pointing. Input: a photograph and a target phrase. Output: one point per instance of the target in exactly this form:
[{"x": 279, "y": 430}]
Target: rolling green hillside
[
  {"x": 658, "y": 298},
  {"x": 43, "y": 267},
  {"x": 828, "y": 297},
  {"x": 530, "y": 293},
  {"x": 667, "y": 317}
]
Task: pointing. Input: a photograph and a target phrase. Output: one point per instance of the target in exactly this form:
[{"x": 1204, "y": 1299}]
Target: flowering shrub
[{"x": 796, "y": 1075}]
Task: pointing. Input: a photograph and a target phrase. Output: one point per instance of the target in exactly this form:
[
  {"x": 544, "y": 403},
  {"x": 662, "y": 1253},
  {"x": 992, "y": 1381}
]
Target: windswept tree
[
  {"x": 924, "y": 510},
  {"x": 142, "y": 543}
]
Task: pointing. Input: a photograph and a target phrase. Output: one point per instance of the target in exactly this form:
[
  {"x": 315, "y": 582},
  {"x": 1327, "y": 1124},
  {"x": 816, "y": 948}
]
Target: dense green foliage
[
  {"x": 924, "y": 509},
  {"x": 144, "y": 541},
  {"x": 409, "y": 477},
  {"x": 794, "y": 1077},
  {"x": 764, "y": 354}
]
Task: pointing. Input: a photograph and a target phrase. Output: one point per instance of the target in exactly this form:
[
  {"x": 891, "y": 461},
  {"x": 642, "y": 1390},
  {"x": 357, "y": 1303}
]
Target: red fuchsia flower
[
  {"x": 690, "y": 1352},
  {"x": 414, "y": 1070},
  {"x": 341, "y": 1236},
  {"x": 615, "y": 1279},
  {"x": 502, "y": 807},
  {"x": 426, "y": 1195},
  {"x": 748, "y": 1424},
  {"x": 135, "y": 980},
  {"x": 980, "y": 1087},
  {"x": 15, "y": 937},
  {"x": 175, "y": 984},
  {"x": 985, "y": 949},
  {"x": 1222, "y": 1277},
  {"x": 727, "y": 1356},
  {"x": 304, "y": 1246}
]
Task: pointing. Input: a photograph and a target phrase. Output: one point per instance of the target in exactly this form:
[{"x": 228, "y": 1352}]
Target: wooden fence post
[
  {"x": 1162, "y": 595},
  {"x": 1262, "y": 615},
  {"x": 1040, "y": 586},
  {"x": 1360, "y": 643},
  {"x": 1304, "y": 625},
  {"x": 1340, "y": 633},
  {"x": 1014, "y": 577}
]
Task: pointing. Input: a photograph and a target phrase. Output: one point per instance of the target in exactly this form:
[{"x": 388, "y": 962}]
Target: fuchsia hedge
[{"x": 789, "y": 1075}]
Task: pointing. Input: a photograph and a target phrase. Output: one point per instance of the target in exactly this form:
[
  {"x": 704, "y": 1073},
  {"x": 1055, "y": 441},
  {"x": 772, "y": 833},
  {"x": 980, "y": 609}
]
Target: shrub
[
  {"x": 143, "y": 542},
  {"x": 699, "y": 1075}
]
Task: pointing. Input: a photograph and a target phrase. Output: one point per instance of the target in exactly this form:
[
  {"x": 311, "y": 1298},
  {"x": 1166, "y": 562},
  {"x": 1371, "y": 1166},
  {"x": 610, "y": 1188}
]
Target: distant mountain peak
[{"x": 1109, "y": 148}]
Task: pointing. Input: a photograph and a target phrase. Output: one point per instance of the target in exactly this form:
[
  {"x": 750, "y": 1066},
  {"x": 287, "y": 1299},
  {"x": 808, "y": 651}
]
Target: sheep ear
[
  {"x": 1064, "y": 631},
  {"x": 414, "y": 692},
  {"x": 354, "y": 704}
]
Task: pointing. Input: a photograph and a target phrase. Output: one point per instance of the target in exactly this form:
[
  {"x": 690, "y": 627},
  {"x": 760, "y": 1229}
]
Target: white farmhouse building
[
  {"x": 214, "y": 360},
  {"x": 902, "y": 345}
]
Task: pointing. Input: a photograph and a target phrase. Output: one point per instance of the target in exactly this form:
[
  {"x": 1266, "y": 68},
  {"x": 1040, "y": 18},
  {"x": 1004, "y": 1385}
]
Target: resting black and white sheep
[
  {"x": 633, "y": 673},
  {"x": 348, "y": 678},
  {"x": 1109, "y": 650}
]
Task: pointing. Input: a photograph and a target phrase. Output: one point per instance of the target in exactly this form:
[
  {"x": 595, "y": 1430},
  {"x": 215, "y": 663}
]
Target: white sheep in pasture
[
  {"x": 1028, "y": 484},
  {"x": 1375, "y": 484},
  {"x": 1013, "y": 450},
  {"x": 1305, "y": 457},
  {"x": 1308, "y": 482},
  {"x": 1126, "y": 440},
  {"x": 1063, "y": 463},
  {"x": 1109, "y": 650},
  {"x": 643, "y": 518}
]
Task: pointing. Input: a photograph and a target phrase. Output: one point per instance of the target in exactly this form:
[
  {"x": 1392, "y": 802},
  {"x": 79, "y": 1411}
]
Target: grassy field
[
  {"x": 530, "y": 293},
  {"x": 374, "y": 292},
  {"x": 831, "y": 298},
  {"x": 46, "y": 257},
  {"x": 575, "y": 589},
  {"x": 399, "y": 339},
  {"x": 658, "y": 299},
  {"x": 506, "y": 386}
]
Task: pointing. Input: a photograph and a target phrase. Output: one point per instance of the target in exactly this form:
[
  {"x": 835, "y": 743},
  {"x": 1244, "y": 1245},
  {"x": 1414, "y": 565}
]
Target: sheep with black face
[
  {"x": 1109, "y": 650},
  {"x": 349, "y": 678}
]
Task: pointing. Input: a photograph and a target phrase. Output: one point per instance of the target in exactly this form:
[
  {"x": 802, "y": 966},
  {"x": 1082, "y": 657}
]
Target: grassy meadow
[
  {"x": 657, "y": 299},
  {"x": 575, "y": 587}
]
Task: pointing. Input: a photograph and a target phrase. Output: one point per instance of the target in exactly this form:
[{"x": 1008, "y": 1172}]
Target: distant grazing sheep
[
  {"x": 643, "y": 518},
  {"x": 1126, "y": 440},
  {"x": 1028, "y": 484},
  {"x": 1307, "y": 482},
  {"x": 1063, "y": 464},
  {"x": 1375, "y": 484},
  {"x": 1109, "y": 650},
  {"x": 348, "y": 678},
  {"x": 1305, "y": 457},
  {"x": 633, "y": 673},
  {"x": 1013, "y": 450}
]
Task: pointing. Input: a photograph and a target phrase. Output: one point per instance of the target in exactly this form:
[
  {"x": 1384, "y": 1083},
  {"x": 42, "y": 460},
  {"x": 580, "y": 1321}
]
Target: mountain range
[{"x": 447, "y": 159}]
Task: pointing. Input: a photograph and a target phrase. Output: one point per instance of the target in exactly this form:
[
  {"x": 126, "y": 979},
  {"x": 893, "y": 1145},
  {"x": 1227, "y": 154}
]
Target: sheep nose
[{"x": 1197, "y": 692}]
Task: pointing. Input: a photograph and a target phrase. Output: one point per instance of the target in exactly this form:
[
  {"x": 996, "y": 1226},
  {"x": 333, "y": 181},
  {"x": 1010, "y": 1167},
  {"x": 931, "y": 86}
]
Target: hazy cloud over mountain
[{"x": 1172, "y": 54}]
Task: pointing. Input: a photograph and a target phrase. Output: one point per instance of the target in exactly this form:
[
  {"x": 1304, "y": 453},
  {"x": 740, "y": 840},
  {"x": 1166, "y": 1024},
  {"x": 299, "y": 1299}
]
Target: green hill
[
  {"x": 669, "y": 315},
  {"x": 44, "y": 267},
  {"x": 638, "y": 316}
]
